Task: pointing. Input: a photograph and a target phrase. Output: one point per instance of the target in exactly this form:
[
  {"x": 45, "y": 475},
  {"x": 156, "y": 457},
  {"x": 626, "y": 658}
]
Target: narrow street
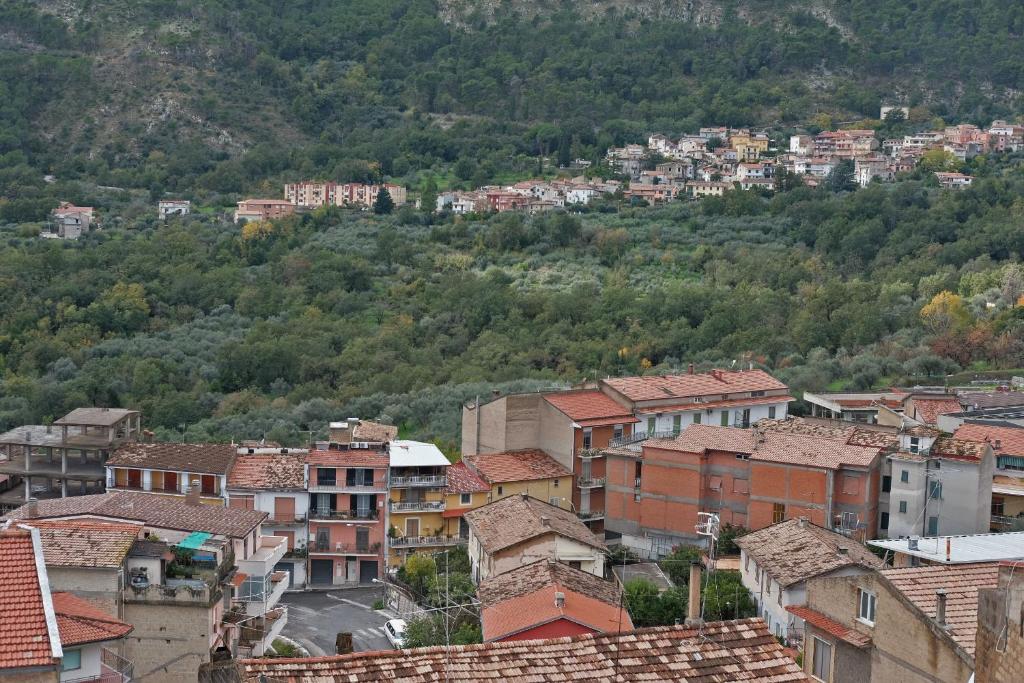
[{"x": 316, "y": 618}]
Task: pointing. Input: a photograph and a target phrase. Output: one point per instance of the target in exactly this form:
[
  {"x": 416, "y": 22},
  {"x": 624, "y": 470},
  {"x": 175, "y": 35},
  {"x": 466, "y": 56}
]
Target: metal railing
[
  {"x": 420, "y": 480},
  {"x": 415, "y": 541},
  {"x": 329, "y": 487},
  {"x": 590, "y": 482},
  {"x": 296, "y": 518},
  {"x": 588, "y": 453},
  {"x": 113, "y": 669},
  {"x": 637, "y": 437},
  {"x": 322, "y": 513},
  {"x": 591, "y": 515},
  {"x": 418, "y": 506}
]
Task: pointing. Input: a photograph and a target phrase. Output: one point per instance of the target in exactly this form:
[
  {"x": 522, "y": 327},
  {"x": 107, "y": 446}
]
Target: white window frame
[
  {"x": 465, "y": 499},
  {"x": 867, "y": 605}
]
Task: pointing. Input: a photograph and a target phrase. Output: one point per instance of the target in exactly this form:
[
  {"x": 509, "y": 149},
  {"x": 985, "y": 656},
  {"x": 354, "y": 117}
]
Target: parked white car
[{"x": 395, "y": 631}]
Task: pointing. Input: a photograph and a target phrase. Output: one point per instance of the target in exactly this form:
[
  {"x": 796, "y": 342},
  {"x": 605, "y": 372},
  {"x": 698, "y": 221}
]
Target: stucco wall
[{"x": 99, "y": 586}]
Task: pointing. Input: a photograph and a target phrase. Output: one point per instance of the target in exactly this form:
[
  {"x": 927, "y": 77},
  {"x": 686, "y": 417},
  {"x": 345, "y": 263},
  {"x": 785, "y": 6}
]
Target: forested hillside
[{"x": 219, "y": 333}]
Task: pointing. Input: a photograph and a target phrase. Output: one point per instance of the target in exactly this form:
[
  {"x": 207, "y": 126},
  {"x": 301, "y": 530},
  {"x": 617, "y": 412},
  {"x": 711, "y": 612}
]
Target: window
[
  {"x": 588, "y": 438},
  {"x": 903, "y": 507},
  {"x": 696, "y": 418},
  {"x": 326, "y": 476},
  {"x": 554, "y": 484},
  {"x": 756, "y": 394},
  {"x": 72, "y": 660},
  {"x": 936, "y": 489},
  {"x": 650, "y": 425},
  {"x": 638, "y": 473},
  {"x": 933, "y": 526},
  {"x": 771, "y": 412},
  {"x": 501, "y": 490},
  {"x": 725, "y": 418},
  {"x": 998, "y": 505},
  {"x": 821, "y": 666},
  {"x": 866, "y": 613},
  {"x": 743, "y": 456},
  {"x": 617, "y": 431},
  {"x": 778, "y": 513},
  {"x": 465, "y": 498},
  {"x": 886, "y": 483},
  {"x": 884, "y": 523},
  {"x": 556, "y": 501},
  {"x": 677, "y": 423},
  {"x": 905, "y": 476},
  {"x": 915, "y": 444}
]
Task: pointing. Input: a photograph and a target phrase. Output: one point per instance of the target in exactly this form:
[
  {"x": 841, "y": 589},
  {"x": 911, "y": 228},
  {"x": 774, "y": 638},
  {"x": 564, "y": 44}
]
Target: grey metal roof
[{"x": 962, "y": 549}]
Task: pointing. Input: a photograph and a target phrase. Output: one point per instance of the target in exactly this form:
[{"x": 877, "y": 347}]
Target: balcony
[
  {"x": 590, "y": 453},
  {"x": 281, "y": 520},
  {"x": 262, "y": 561},
  {"x": 322, "y": 514},
  {"x": 637, "y": 437},
  {"x": 113, "y": 669},
  {"x": 418, "y": 506},
  {"x": 423, "y": 541},
  {"x": 429, "y": 480},
  {"x": 591, "y": 515},
  {"x": 259, "y": 632},
  {"x": 175, "y": 592},
  {"x": 590, "y": 482},
  {"x": 342, "y": 548},
  {"x": 335, "y": 487}
]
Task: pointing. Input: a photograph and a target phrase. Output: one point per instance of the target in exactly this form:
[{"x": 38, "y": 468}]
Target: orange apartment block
[{"x": 263, "y": 209}]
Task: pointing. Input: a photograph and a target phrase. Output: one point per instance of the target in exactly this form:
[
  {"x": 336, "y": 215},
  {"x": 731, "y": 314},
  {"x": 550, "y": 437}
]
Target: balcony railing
[
  {"x": 354, "y": 515},
  {"x": 418, "y": 541},
  {"x": 335, "y": 487},
  {"x": 636, "y": 437},
  {"x": 591, "y": 515},
  {"x": 347, "y": 548},
  {"x": 296, "y": 518},
  {"x": 419, "y": 506},
  {"x": 590, "y": 453},
  {"x": 113, "y": 669},
  {"x": 590, "y": 482},
  {"x": 419, "y": 480},
  {"x": 254, "y": 629}
]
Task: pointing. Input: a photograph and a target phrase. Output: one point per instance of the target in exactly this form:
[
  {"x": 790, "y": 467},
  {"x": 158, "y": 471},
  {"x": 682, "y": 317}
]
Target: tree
[
  {"x": 676, "y": 564},
  {"x": 428, "y": 196},
  {"x": 383, "y": 204},
  {"x": 946, "y": 313},
  {"x": 841, "y": 178},
  {"x": 939, "y": 160},
  {"x": 418, "y": 568},
  {"x": 429, "y": 631},
  {"x": 647, "y": 607}
]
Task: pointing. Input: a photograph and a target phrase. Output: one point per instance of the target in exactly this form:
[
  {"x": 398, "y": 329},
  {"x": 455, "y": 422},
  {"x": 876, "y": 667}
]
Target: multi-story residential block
[
  {"x": 913, "y": 624},
  {"x": 66, "y": 458},
  {"x": 172, "y": 469},
  {"x": 416, "y": 502},
  {"x": 530, "y": 472},
  {"x": 465, "y": 491},
  {"x": 277, "y": 484},
  {"x": 167, "y": 208},
  {"x": 1007, "y": 444},
  {"x": 311, "y": 194},
  {"x": 519, "y": 530},
  {"x": 777, "y": 561},
  {"x": 360, "y": 194},
  {"x": 707, "y": 188},
  {"x": 347, "y": 514},
  {"x": 263, "y": 209}
]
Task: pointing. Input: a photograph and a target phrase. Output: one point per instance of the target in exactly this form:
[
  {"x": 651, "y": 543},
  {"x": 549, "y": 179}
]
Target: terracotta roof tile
[
  {"x": 928, "y": 409},
  {"x": 830, "y": 626},
  {"x": 525, "y": 465},
  {"x": 461, "y": 479},
  {"x": 357, "y": 457},
  {"x": 261, "y": 472},
  {"x": 1011, "y": 439},
  {"x": 958, "y": 449},
  {"x": 513, "y": 520},
  {"x": 523, "y": 598},
  {"x": 729, "y": 651},
  {"x": 658, "y": 387},
  {"x": 374, "y": 432},
  {"x": 204, "y": 458},
  {"x": 699, "y": 438},
  {"x": 592, "y": 407},
  {"x": 794, "y": 551},
  {"x": 156, "y": 511},
  {"x": 797, "y": 449},
  {"x": 961, "y": 583},
  {"x": 25, "y": 636},
  {"x": 85, "y": 542},
  {"x": 80, "y": 622}
]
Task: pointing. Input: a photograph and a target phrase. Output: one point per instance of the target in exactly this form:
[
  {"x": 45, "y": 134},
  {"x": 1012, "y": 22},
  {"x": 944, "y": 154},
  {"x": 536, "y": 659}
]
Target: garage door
[
  {"x": 321, "y": 571},
  {"x": 367, "y": 571},
  {"x": 287, "y": 567}
]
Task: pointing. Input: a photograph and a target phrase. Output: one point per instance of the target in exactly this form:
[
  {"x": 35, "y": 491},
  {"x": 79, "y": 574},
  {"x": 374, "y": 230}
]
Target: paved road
[{"x": 316, "y": 618}]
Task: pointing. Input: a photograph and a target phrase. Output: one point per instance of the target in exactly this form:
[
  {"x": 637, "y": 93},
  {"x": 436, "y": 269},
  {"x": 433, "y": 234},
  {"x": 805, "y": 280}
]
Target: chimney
[
  {"x": 940, "y": 607},
  {"x": 495, "y": 393},
  {"x": 949, "y": 548},
  {"x": 32, "y": 508},
  {"x": 998, "y": 444},
  {"x": 559, "y": 599},
  {"x": 192, "y": 495},
  {"x": 693, "y": 603},
  {"x": 689, "y": 369},
  {"x": 801, "y": 522},
  {"x": 843, "y": 552},
  {"x": 545, "y": 520}
]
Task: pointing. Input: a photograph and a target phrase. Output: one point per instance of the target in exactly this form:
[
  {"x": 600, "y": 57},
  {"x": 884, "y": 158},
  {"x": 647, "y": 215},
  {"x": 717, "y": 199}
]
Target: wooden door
[
  {"x": 284, "y": 509},
  {"x": 135, "y": 479},
  {"x": 412, "y": 527}
]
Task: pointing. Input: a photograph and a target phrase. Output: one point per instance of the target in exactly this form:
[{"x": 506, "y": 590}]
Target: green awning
[{"x": 194, "y": 540}]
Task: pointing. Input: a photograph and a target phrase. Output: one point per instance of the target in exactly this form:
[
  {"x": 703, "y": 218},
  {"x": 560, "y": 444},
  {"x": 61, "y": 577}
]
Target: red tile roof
[
  {"x": 357, "y": 457},
  {"x": 517, "y": 519},
  {"x": 958, "y": 449},
  {"x": 80, "y": 622},
  {"x": 28, "y": 635},
  {"x": 203, "y": 458},
  {"x": 798, "y": 449},
  {"x": 277, "y": 472},
  {"x": 732, "y": 651},
  {"x": 928, "y": 409},
  {"x": 590, "y": 408},
  {"x": 526, "y": 465},
  {"x": 659, "y": 387},
  {"x": 85, "y": 542},
  {"x": 833, "y": 628},
  {"x": 961, "y": 583},
  {"x": 461, "y": 479},
  {"x": 1011, "y": 439},
  {"x": 700, "y": 438},
  {"x": 524, "y": 598}
]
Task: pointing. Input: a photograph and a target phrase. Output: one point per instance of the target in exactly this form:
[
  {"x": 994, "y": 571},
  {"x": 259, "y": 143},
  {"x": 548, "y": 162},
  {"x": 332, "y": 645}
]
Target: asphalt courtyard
[{"x": 315, "y": 619}]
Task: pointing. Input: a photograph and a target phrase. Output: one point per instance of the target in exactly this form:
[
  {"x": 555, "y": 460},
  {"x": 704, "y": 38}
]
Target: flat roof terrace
[{"x": 44, "y": 436}]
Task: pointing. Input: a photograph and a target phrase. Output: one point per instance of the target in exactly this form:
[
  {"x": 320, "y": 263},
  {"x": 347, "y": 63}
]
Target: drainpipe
[{"x": 830, "y": 482}]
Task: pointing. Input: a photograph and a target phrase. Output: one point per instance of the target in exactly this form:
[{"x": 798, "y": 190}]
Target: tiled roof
[
  {"x": 374, "y": 432},
  {"x": 830, "y": 626},
  {"x": 658, "y": 387},
  {"x": 590, "y": 408},
  {"x": 259, "y": 472},
  {"x": 961, "y": 583},
  {"x": 523, "y": 598},
  {"x": 357, "y": 457},
  {"x": 526, "y": 465},
  {"x": 79, "y": 622},
  {"x": 727, "y": 651},
  {"x": 461, "y": 479},
  {"x": 797, "y": 449},
  {"x": 1011, "y": 439},
  {"x": 155, "y": 511},
  {"x": 797, "y": 550},
  {"x": 700, "y": 438},
  {"x": 958, "y": 449},
  {"x": 204, "y": 458},
  {"x": 710, "y": 405},
  {"x": 842, "y": 432},
  {"x": 929, "y": 409},
  {"x": 28, "y": 632},
  {"x": 85, "y": 542},
  {"x": 509, "y": 521}
]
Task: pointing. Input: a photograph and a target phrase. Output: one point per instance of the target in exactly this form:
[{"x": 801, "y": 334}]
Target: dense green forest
[{"x": 218, "y": 333}]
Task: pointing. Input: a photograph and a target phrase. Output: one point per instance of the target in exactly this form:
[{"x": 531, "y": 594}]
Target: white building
[{"x": 173, "y": 207}]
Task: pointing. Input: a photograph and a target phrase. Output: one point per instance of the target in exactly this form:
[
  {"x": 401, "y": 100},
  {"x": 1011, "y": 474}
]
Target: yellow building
[
  {"x": 172, "y": 469},
  {"x": 748, "y": 146},
  {"x": 416, "y": 500},
  {"x": 465, "y": 491},
  {"x": 532, "y": 472}
]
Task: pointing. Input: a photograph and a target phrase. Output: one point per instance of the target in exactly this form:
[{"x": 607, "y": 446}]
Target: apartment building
[
  {"x": 65, "y": 458},
  {"x": 416, "y": 502},
  {"x": 1007, "y": 444},
  {"x": 464, "y": 491},
  {"x": 263, "y": 209},
  {"x": 529, "y": 472},
  {"x": 172, "y": 469}
]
